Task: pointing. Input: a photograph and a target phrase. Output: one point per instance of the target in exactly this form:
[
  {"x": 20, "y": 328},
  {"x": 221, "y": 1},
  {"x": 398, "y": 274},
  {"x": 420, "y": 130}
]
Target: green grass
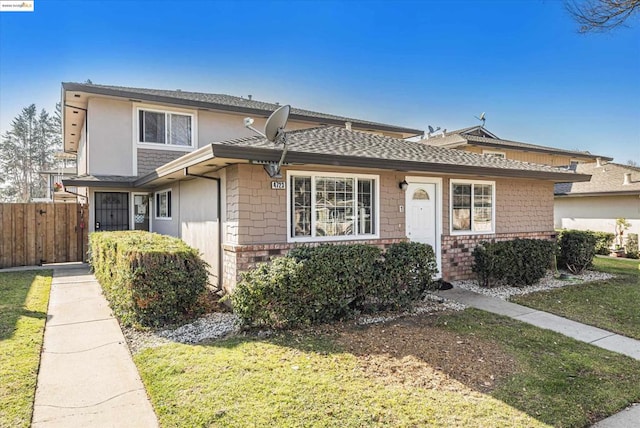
[
  {"x": 307, "y": 380},
  {"x": 612, "y": 305},
  {"x": 24, "y": 297},
  {"x": 563, "y": 382}
]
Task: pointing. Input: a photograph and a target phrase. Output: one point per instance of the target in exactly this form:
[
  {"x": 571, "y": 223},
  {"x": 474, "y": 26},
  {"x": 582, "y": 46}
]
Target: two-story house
[{"x": 183, "y": 164}]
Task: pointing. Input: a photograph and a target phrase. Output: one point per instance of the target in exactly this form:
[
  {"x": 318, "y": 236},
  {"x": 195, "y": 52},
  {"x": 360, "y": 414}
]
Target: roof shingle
[{"x": 608, "y": 178}]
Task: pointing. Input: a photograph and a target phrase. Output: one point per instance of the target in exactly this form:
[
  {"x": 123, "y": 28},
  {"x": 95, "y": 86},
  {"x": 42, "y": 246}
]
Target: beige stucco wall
[
  {"x": 198, "y": 216},
  {"x": 110, "y": 149},
  {"x": 598, "y": 213}
]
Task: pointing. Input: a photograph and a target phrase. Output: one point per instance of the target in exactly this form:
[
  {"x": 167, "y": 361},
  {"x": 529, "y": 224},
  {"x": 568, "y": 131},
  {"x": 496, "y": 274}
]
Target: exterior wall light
[{"x": 403, "y": 185}]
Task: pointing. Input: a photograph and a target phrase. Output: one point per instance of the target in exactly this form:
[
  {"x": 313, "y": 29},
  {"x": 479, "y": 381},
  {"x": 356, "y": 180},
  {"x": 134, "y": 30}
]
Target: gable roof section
[
  {"x": 605, "y": 180},
  {"x": 330, "y": 145},
  {"x": 470, "y": 136},
  {"x": 228, "y": 103}
]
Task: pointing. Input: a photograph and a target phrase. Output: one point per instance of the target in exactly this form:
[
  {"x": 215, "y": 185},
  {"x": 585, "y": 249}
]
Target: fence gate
[{"x": 36, "y": 233}]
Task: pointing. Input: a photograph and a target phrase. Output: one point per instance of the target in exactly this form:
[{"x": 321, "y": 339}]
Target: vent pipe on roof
[
  {"x": 249, "y": 96},
  {"x": 598, "y": 162},
  {"x": 444, "y": 131},
  {"x": 627, "y": 178},
  {"x": 347, "y": 125}
]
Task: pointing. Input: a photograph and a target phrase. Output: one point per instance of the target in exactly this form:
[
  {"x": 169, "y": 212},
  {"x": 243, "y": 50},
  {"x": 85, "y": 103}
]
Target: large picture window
[
  {"x": 332, "y": 206},
  {"x": 169, "y": 128},
  {"x": 472, "y": 206}
]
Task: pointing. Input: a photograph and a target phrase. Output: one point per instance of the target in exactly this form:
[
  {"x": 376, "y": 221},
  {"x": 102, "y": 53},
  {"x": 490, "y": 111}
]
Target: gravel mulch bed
[
  {"x": 548, "y": 282},
  {"x": 217, "y": 325}
]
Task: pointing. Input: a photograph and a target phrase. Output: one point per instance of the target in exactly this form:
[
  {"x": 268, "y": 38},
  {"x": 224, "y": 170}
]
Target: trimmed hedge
[
  {"x": 604, "y": 240},
  {"x": 313, "y": 285},
  {"x": 518, "y": 263},
  {"x": 149, "y": 279},
  {"x": 576, "y": 250},
  {"x": 631, "y": 246}
]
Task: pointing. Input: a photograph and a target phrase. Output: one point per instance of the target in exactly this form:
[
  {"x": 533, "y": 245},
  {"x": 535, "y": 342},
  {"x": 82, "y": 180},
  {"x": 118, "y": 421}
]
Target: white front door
[{"x": 421, "y": 214}]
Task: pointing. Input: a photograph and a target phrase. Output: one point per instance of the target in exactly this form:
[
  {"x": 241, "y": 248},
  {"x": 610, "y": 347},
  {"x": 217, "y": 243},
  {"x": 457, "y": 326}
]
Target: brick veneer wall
[
  {"x": 457, "y": 251},
  {"x": 240, "y": 258},
  {"x": 149, "y": 159}
]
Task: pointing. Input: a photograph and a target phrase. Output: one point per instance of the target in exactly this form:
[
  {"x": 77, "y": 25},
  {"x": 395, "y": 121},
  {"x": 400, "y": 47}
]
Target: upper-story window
[{"x": 165, "y": 127}]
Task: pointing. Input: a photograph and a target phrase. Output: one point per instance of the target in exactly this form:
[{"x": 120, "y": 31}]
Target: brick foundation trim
[{"x": 457, "y": 251}]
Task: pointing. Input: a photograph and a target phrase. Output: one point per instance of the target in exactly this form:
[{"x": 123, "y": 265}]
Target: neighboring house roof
[
  {"x": 335, "y": 146},
  {"x": 479, "y": 136},
  {"x": 228, "y": 103},
  {"x": 605, "y": 180}
]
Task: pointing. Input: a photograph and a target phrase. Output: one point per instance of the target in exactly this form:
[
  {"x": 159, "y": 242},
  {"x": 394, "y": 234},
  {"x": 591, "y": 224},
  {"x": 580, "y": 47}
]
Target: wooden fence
[{"x": 37, "y": 233}]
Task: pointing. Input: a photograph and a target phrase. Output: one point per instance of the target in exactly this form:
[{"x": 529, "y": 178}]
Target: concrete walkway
[
  {"x": 87, "y": 377},
  {"x": 628, "y": 418}
]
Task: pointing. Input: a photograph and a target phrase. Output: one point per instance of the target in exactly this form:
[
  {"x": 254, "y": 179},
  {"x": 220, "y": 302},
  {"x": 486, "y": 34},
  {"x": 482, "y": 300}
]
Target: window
[
  {"x": 334, "y": 206},
  {"x": 163, "y": 205},
  {"x": 158, "y": 127},
  {"x": 472, "y": 206},
  {"x": 501, "y": 155}
]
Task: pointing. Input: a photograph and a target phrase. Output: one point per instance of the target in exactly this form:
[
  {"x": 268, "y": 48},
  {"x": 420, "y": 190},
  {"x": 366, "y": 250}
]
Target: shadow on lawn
[
  {"x": 14, "y": 288},
  {"x": 550, "y": 377}
]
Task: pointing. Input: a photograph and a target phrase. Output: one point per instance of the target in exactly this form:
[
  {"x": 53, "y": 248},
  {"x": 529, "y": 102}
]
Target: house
[
  {"x": 55, "y": 192},
  {"x": 477, "y": 139},
  {"x": 182, "y": 163},
  {"x": 613, "y": 192}
]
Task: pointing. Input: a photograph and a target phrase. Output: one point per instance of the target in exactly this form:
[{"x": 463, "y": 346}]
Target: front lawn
[
  {"x": 24, "y": 297},
  {"x": 612, "y": 304},
  {"x": 470, "y": 368}
]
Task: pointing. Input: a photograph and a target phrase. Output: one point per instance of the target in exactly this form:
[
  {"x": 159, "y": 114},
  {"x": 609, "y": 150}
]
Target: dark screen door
[{"x": 112, "y": 211}]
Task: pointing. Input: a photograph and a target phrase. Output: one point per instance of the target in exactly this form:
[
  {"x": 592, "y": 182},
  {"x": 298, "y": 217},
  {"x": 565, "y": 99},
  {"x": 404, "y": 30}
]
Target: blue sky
[{"x": 411, "y": 63}]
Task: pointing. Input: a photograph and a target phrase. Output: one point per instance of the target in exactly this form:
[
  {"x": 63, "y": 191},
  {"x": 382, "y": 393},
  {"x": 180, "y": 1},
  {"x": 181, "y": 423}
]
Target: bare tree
[
  {"x": 631, "y": 162},
  {"x": 601, "y": 15}
]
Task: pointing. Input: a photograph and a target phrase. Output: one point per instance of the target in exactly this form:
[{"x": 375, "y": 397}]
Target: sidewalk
[
  {"x": 627, "y": 418},
  {"x": 87, "y": 376}
]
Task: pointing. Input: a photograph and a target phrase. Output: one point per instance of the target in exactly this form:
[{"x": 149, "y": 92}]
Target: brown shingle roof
[
  {"x": 608, "y": 178},
  {"x": 227, "y": 102},
  {"x": 338, "y": 146}
]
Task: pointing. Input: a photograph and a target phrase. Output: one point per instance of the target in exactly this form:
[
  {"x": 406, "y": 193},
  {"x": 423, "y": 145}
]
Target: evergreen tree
[{"x": 26, "y": 149}]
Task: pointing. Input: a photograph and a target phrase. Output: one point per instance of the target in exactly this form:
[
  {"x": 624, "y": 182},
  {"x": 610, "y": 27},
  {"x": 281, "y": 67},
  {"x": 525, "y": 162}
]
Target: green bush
[
  {"x": 604, "y": 240},
  {"x": 409, "y": 268},
  {"x": 330, "y": 282},
  {"x": 149, "y": 279},
  {"x": 576, "y": 249},
  {"x": 631, "y": 246},
  {"x": 519, "y": 262}
]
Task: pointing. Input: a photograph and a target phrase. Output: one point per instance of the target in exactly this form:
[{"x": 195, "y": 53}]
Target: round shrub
[{"x": 576, "y": 250}]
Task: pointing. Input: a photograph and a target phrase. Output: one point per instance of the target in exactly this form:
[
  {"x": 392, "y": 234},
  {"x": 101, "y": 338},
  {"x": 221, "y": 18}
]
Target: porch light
[{"x": 403, "y": 185}]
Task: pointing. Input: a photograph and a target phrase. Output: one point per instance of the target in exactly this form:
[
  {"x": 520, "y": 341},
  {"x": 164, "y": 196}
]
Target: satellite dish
[
  {"x": 431, "y": 130},
  {"x": 276, "y": 123},
  {"x": 481, "y": 118},
  {"x": 274, "y": 132}
]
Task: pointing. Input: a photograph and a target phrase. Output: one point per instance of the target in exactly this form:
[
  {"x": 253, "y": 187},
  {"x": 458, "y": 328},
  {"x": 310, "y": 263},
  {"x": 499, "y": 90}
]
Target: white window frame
[
  {"x": 156, "y": 205},
  {"x": 452, "y": 182},
  {"x": 166, "y": 111},
  {"x": 496, "y": 153},
  {"x": 314, "y": 175}
]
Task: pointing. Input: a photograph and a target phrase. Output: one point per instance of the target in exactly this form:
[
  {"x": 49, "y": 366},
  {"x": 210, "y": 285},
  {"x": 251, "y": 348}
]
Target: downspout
[{"x": 219, "y": 214}]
